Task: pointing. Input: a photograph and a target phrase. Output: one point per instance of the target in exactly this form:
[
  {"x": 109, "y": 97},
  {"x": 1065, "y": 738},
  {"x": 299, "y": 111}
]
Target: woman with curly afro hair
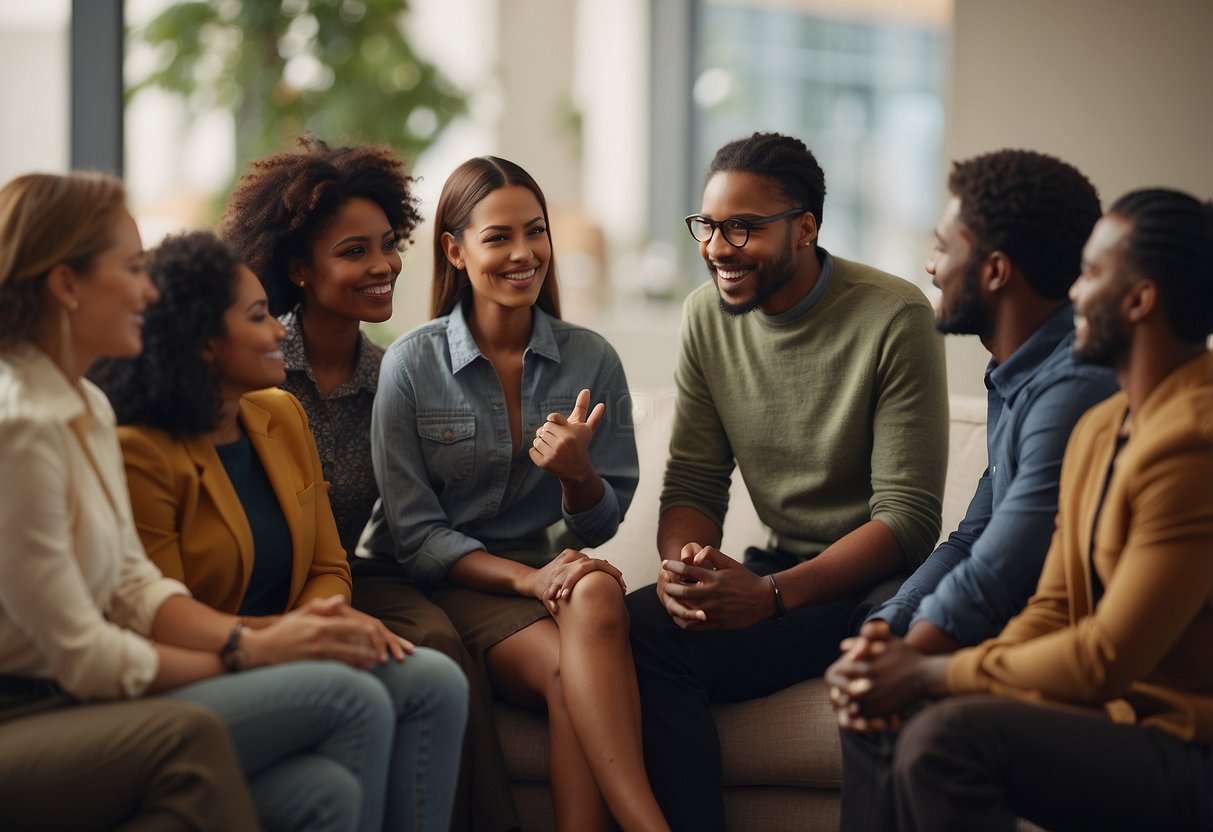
[
  {"x": 229, "y": 498},
  {"x": 322, "y": 227}
]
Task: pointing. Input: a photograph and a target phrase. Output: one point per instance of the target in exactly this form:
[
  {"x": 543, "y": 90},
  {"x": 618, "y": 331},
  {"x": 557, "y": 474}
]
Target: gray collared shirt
[{"x": 449, "y": 478}]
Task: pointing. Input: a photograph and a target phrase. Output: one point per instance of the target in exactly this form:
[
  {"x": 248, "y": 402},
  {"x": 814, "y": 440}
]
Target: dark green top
[{"x": 270, "y": 584}]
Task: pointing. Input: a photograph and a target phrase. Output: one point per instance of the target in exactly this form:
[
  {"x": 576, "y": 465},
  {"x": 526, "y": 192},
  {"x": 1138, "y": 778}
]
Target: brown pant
[
  {"x": 144, "y": 765},
  {"x": 482, "y": 800}
]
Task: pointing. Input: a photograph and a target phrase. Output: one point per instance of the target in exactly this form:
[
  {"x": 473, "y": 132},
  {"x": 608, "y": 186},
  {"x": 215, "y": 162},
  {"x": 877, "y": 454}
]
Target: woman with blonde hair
[{"x": 84, "y": 616}]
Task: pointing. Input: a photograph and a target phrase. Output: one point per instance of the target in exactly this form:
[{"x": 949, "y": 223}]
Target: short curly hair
[
  {"x": 1034, "y": 208},
  {"x": 283, "y": 202},
  {"x": 169, "y": 385},
  {"x": 785, "y": 160},
  {"x": 1171, "y": 243}
]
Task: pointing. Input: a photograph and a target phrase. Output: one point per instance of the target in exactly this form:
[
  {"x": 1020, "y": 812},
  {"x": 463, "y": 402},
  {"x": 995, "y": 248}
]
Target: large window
[{"x": 864, "y": 92}]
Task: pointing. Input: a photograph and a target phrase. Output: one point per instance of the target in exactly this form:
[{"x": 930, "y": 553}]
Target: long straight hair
[{"x": 471, "y": 182}]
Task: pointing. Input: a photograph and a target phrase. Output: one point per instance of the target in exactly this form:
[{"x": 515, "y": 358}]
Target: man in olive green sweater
[{"x": 823, "y": 381}]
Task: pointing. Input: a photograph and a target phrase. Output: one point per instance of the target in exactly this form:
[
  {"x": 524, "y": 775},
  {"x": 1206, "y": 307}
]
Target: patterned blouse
[{"x": 341, "y": 423}]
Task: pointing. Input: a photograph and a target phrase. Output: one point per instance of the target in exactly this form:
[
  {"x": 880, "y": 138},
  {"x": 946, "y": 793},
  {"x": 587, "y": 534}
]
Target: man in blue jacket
[{"x": 1008, "y": 247}]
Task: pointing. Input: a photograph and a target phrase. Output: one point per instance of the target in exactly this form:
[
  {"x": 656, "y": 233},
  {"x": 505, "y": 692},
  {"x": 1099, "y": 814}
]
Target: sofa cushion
[{"x": 786, "y": 739}]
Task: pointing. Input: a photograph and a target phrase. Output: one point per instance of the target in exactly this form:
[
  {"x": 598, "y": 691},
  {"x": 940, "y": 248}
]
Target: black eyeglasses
[{"x": 735, "y": 230}]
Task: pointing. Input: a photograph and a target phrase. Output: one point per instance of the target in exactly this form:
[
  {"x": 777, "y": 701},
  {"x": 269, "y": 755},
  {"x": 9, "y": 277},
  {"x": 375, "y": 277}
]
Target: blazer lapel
[
  {"x": 277, "y": 460},
  {"x": 218, "y": 487},
  {"x": 1096, "y": 487}
]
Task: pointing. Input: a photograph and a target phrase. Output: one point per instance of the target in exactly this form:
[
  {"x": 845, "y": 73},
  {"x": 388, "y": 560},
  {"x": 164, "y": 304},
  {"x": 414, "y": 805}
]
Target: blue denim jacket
[
  {"x": 449, "y": 482},
  {"x": 983, "y": 574}
]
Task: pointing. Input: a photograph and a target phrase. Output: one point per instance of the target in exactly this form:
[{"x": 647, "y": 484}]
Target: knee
[
  {"x": 348, "y": 694},
  {"x": 197, "y": 726},
  {"x": 599, "y": 590},
  {"x": 430, "y": 680},
  {"x": 600, "y": 595},
  {"x": 653, "y": 632},
  {"x": 929, "y": 738},
  {"x": 323, "y": 795}
]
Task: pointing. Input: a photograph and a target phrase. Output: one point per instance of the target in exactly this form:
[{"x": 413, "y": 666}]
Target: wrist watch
[
  {"x": 780, "y": 609},
  {"x": 232, "y": 655}
]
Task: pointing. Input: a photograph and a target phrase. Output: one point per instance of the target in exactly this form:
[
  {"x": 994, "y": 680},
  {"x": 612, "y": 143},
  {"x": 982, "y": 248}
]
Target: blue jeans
[
  {"x": 328, "y": 747},
  {"x": 314, "y": 739},
  {"x": 430, "y": 697}
]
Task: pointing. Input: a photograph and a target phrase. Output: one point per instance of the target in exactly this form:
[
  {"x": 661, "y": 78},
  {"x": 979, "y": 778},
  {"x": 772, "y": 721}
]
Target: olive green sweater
[{"x": 835, "y": 411}]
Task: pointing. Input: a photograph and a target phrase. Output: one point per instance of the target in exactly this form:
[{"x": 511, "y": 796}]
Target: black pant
[
  {"x": 681, "y": 672},
  {"x": 975, "y": 762}
]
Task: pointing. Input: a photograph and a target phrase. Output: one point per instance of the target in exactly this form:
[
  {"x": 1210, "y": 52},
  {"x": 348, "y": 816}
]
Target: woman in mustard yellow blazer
[
  {"x": 194, "y": 526},
  {"x": 229, "y": 497}
]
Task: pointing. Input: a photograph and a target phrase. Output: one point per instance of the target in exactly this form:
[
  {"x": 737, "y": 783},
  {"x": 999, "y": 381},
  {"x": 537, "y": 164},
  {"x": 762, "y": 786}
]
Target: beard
[
  {"x": 1106, "y": 342},
  {"x": 768, "y": 281},
  {"x": 966, "y": 315}
]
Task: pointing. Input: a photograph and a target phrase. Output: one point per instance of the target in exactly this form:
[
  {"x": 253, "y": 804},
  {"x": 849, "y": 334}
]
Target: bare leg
[
  {"x": 525, "y": 671},
  {"x": 599, "y": 681}
]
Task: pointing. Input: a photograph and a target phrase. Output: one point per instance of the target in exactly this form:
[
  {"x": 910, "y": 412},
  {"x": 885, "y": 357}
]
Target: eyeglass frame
[{"x": 747, "y": 224}]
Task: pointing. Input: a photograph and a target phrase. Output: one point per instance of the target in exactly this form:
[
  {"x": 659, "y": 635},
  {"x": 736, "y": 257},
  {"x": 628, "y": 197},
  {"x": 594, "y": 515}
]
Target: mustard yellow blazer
[{"x": 193, "y": 525}]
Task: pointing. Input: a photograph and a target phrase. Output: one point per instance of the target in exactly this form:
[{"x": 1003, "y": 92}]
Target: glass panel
[
  {"x": 863, "y": 92},
  {"x": 34, "y": 43}
]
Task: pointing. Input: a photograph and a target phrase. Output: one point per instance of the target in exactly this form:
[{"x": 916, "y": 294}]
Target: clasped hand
[
  {"x": 327, "y": 628},
  {"x": 562, "y": 444},
  {"x": 877, "y": 678},
  {"x": 705, "y": 589}
]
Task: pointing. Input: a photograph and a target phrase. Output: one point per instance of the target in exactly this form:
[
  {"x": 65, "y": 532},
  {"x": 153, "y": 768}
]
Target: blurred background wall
[{"x": 617, "y": 107}]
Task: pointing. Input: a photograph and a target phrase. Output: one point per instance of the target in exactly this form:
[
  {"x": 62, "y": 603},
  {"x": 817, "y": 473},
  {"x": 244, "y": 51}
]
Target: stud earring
[
  {"x": 302, "y": 283},
  {"x": 73, "y": 305}
]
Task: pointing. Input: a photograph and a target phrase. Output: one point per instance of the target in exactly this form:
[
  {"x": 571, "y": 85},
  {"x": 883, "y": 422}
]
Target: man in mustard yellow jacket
[{"x": 1102, "y": 708}]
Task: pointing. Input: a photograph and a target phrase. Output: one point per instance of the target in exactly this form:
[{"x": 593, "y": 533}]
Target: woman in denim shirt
[{"x": 494, "y": 470}]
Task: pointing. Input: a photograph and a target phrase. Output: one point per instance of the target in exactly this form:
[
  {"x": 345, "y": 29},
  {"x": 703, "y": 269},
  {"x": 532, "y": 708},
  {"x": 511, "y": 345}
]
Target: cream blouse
[{"x": 77, "y": 593}]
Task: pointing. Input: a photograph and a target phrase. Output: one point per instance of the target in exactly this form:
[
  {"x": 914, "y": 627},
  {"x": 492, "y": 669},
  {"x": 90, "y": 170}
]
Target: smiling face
[
  {"x": 354, "y": 265},
  {"x": 763, "y": 273},
  {"x": 505, "y": 249},
  {"x": 248, "y": 355},
  {"x": 1101, "y": 333},
  {"x": 955, "y": 269},
  {"x": 111, "y": 298}
]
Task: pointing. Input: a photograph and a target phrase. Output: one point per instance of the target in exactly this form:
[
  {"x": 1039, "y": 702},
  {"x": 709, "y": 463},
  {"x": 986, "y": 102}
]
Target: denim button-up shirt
[
  {"x": 449, "y": 480},
  {"x": 983, "y": 574}
]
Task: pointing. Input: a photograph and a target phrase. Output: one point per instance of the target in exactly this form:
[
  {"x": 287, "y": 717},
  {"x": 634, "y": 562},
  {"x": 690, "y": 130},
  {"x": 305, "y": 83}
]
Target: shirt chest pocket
[{"x": 448, "y": 446}]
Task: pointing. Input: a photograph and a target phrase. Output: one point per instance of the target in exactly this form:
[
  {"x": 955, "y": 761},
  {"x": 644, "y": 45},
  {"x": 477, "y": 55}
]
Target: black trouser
[
  {"x": 976, "y": 762},
  {"x": 680, "y": 672}
]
